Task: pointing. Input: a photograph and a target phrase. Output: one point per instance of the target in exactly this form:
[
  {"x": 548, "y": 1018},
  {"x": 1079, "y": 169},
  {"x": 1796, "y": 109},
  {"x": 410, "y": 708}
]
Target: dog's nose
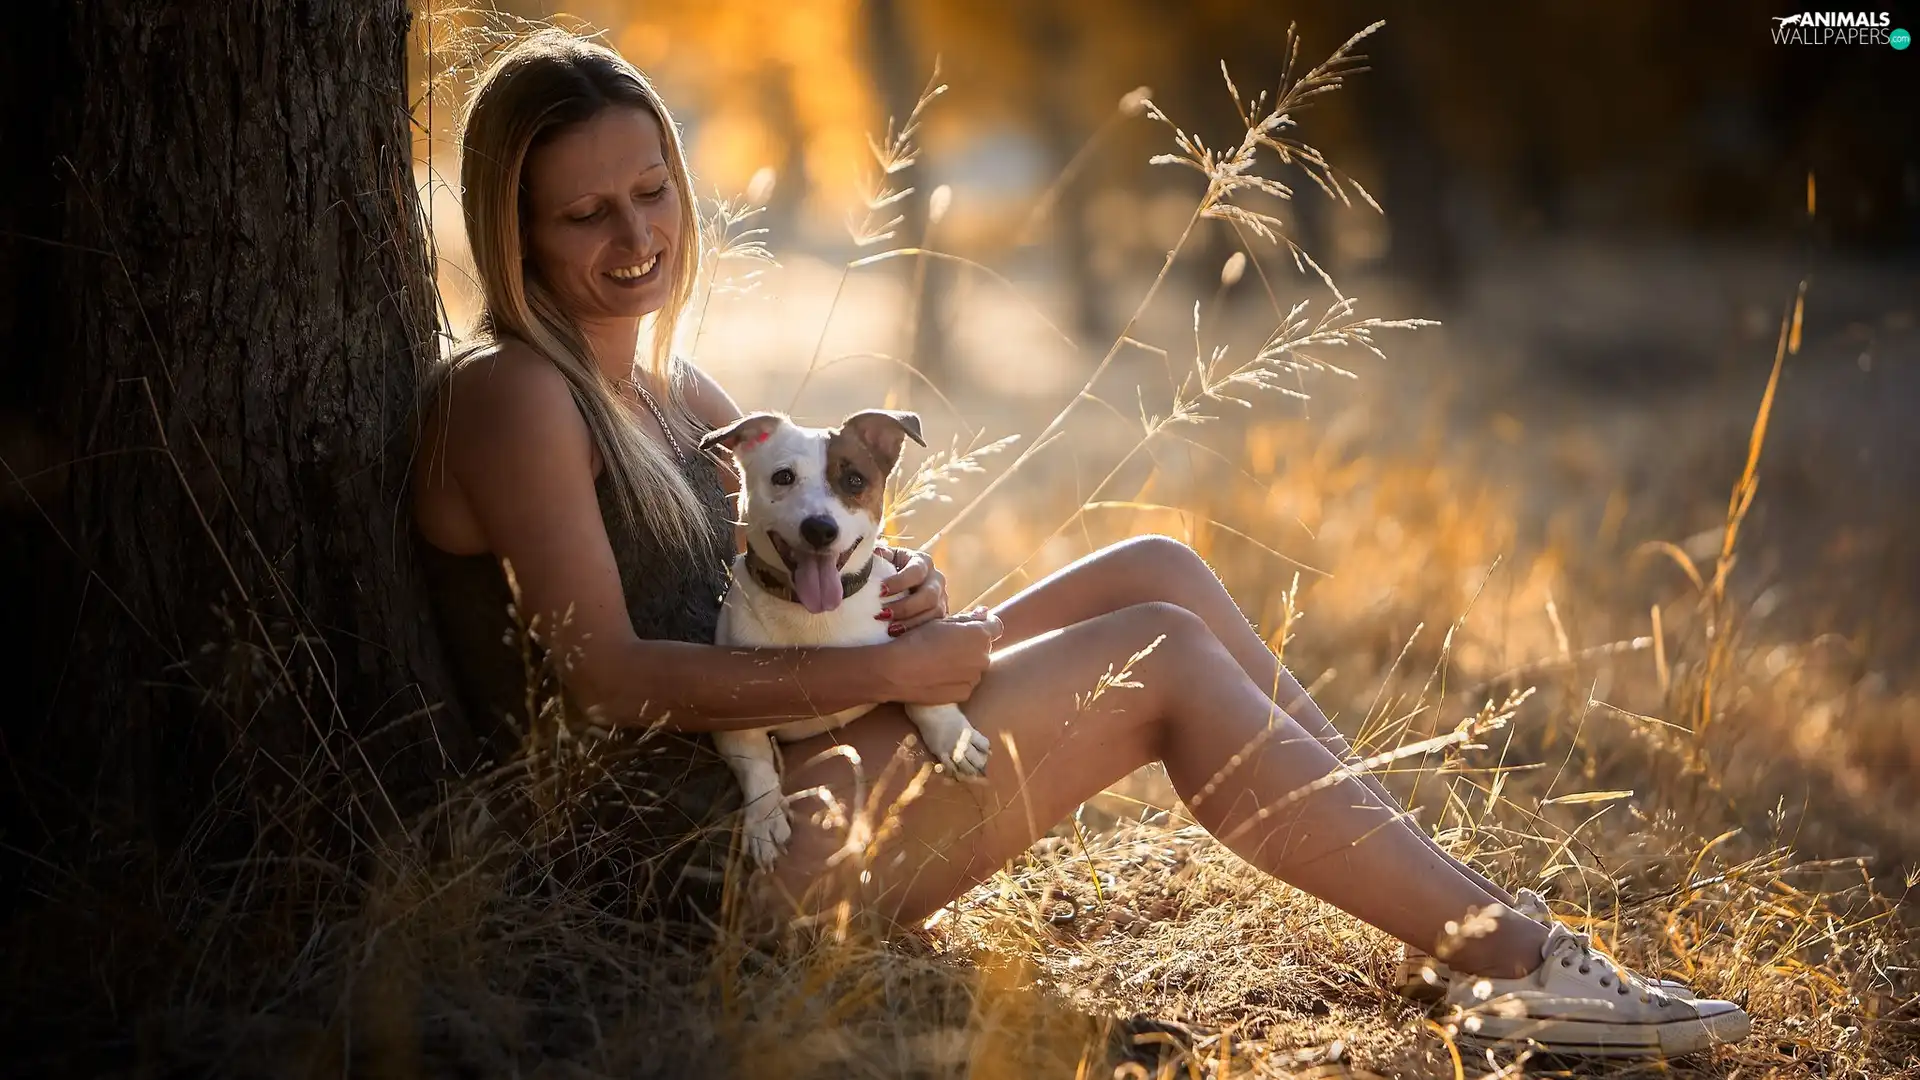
[{"x": 819, "y": 530}]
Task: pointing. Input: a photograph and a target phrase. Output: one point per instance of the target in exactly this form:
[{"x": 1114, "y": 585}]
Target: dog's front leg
[
  {"x": 750, "y": 754},
  {"x": 952, "y": 738}
]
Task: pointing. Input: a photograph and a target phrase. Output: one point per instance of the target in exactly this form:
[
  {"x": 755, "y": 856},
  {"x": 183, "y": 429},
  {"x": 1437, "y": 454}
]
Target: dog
[{"x": 812, "y": 502}]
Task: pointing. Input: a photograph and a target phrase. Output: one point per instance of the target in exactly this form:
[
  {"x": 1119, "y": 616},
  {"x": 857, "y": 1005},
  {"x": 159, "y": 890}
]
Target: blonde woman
[{"x": 562, "y": 440}]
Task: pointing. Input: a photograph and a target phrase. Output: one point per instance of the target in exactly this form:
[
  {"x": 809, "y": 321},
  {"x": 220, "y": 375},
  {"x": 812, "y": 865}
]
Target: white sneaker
[
  {"x": 1422, "y": 977},
  {"x": 1580, "y": 1003}
]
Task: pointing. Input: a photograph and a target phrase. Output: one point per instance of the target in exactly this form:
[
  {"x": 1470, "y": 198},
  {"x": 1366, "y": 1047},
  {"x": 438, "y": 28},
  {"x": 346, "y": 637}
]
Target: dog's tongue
[{"x": 816, "y": 581}]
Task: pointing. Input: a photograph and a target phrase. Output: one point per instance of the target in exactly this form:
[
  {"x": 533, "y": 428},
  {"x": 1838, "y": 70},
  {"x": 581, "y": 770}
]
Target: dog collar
[{"x": 780, "y": 585}]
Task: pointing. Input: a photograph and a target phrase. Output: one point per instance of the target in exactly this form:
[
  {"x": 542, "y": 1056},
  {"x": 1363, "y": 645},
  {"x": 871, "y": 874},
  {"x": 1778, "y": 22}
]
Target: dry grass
[{"x": 1632, "y": 765}]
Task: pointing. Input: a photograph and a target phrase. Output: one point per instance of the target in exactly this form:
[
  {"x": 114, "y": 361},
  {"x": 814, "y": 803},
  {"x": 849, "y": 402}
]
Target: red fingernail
[
  {"x": 893, "y": 631},
  {"x": 884, "y": 614}
]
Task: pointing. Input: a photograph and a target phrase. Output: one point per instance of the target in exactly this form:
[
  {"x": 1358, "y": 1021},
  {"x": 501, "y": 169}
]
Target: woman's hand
[
  {"x": 942, "y": 663},
  {"x": 914, "y": 596}
]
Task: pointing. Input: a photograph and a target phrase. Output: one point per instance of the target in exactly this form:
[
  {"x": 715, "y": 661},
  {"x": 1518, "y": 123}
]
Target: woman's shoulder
[
  {"x": 500, "y": 423},
  {"x": 506, "y": 366},
  {"x": 506, "y": 380},
  {"x": 507, "y": 392}
]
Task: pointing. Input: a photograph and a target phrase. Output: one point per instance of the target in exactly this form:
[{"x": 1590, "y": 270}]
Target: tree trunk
[
  {"x": 1417, "y": 178},
  {"x": 1051, "y": 35},
  {"x": 900, "y": 79},
  {"x": 214, "y": 286}
]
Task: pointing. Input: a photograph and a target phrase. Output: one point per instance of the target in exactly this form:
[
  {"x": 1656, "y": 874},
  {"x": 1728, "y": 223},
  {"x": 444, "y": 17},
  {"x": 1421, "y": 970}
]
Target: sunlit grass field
[{"x": 1570, "y": 687}]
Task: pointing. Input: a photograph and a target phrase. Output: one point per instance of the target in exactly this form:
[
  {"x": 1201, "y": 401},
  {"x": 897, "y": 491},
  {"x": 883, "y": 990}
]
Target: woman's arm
[
  {"x": 702, "y": 688},
  {"x": 522, "y": 457}
]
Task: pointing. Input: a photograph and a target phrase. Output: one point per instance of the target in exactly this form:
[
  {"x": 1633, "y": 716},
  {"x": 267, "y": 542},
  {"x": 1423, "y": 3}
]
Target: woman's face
[{"x": 603, "y": 227}]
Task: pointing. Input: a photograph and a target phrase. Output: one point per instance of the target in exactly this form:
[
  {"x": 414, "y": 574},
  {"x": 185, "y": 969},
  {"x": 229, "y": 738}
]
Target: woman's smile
[{"x": 637, "y": 274}]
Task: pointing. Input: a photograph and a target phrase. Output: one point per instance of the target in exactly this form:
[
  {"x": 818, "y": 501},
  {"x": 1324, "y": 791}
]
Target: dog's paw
[
  {"x": 952, "y": 739},
  {"x": 766, "y": 834},
  {"x": 968, "y": 756}
]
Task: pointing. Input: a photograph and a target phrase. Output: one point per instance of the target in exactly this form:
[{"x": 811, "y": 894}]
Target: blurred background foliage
[
  {"x": 1477, "y": 117},
  {"x": 1606, "y": 206}
]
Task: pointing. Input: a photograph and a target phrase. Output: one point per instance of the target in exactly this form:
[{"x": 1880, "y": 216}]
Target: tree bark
[{"x": 218, "y": 307}]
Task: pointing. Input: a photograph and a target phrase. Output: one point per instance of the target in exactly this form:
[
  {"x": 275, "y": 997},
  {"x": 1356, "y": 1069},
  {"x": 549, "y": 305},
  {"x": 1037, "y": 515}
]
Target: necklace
[{"x": 673, "y": 441}]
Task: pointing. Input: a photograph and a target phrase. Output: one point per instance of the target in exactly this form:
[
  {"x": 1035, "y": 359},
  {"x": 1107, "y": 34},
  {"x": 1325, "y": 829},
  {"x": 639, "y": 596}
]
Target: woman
[{"x": 550, "y": 447}]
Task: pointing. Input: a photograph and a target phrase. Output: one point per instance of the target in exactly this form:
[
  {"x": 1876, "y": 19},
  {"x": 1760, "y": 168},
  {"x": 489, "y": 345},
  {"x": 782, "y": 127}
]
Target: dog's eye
[
  {"x": 782, "y": 477},
  {"x": 855, "y": 482}
]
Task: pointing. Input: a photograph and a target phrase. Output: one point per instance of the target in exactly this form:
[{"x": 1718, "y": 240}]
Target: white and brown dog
[{"x": 812, "y": 501}]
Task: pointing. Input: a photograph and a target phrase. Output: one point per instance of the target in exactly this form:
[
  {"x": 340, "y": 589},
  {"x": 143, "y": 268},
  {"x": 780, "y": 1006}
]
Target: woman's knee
[
  {"x": 1172, "y": 657},
  {"x": 1159, "y": 567},
  {"x": 1184, "y": 642}
]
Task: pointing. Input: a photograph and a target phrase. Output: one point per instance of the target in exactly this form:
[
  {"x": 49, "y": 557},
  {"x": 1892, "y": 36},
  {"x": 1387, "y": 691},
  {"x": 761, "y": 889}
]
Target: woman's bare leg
[
  {"x": 1158, "y": 568},
  {"x": 1249, "y": 772}
]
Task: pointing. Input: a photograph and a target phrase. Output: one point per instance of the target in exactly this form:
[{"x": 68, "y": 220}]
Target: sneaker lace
[{"x": 1570, "y": 949}]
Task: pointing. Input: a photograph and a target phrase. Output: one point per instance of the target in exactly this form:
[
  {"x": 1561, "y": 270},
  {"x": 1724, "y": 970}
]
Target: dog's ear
[
  {"x": 745, "y": 433},
  {"x": 883, "y": 431}
]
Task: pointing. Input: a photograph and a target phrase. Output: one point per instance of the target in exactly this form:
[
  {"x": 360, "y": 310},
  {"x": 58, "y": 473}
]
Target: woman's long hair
[{"x": 542, "y": 84}]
